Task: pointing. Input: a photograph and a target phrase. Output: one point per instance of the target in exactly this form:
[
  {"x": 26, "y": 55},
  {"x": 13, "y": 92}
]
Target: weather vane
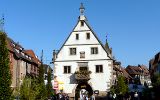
[{"x": 81, "y": 9}]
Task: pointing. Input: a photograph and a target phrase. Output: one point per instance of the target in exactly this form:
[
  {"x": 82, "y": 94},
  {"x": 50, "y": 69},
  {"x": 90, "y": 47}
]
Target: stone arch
[{"x": 83, "y": 85}]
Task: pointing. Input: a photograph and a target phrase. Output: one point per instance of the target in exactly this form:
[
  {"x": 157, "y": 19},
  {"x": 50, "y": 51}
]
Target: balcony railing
[{"x": 82, "y": 75}]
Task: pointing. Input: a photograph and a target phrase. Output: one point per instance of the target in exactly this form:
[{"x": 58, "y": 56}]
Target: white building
[{"x": 83, "y": 62}]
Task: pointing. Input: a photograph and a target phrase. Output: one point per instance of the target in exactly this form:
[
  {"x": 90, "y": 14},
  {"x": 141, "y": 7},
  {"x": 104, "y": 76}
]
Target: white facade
[{"x": 98, "y": 81}]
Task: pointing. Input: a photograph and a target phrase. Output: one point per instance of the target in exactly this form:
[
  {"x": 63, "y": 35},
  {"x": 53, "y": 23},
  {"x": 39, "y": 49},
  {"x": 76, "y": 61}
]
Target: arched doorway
[{"x": 81, "y": 87}]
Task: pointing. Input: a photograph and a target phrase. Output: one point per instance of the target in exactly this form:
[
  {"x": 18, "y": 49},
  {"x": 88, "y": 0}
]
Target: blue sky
[{"x": 133, "y": 26}]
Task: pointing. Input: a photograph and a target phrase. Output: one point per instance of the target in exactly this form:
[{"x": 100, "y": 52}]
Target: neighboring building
[
  {"x": 118, "y": 70},
  {"x": 35, "y": 66},
  {"x": 22, "y": 63},
  {"x": 140, "y": 78},
  {"x": 46, "y": 69},
  {"x": 83, "y": 63},
  {"x": 154, "y": 64},
  {"x": 140, "y": 74}
]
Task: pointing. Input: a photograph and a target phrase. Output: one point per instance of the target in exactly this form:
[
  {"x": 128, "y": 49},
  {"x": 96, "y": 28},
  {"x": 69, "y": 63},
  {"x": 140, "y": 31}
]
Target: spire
[
  {"x": 106, "y": 37},
  {"x": 42, "y": 57},
  {"x": 106, "y": 45},
  {"x": 109, "y": 50},
  {"x": 82, "y": 9},
  {"x": 82, "y": 17},
  {"x": 2, "y": 24}
]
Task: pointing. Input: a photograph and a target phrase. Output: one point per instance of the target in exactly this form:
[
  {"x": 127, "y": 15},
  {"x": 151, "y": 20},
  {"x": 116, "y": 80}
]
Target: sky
[{"x": 132, "y": 26}]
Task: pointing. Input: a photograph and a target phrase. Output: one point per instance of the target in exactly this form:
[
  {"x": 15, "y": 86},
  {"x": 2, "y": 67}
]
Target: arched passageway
[{"x": 83, "y": 87}]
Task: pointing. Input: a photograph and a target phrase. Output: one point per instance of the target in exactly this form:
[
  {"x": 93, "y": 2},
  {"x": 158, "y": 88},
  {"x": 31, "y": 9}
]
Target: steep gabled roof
[
  {"x": 98, "y": 39},
  {"x": 85, "y": 20}
]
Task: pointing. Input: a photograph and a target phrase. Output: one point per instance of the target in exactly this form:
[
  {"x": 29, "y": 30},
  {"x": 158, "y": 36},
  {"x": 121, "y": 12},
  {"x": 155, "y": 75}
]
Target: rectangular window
[
  {"x": 77, "y": 36},
  {"x": 67, "y": 69},
  {"x": 82, "y": 54},
  {"x": 99, "y": 68},
  {"x": 72, "y": 51},
  {"x": 94, "y": 50},
  {"x": 87, "y": 35},
  {"x": 82, "y": 23},
  {"x": 83, "y": 68}
]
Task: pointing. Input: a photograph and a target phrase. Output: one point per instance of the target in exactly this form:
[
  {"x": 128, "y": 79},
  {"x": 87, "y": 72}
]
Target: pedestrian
[
  {"x": 66, "y": 97},
  {"x": 92, "y": 97},
  {"x": 114, "y": 96},
  {"x": 110, "y": 96},
  {"x": 136, "y": 96},
  {"x": 86, "y": 97}
]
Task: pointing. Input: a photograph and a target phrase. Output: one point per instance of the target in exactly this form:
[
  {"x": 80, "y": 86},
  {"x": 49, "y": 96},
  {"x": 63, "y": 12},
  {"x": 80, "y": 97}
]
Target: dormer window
[
  {"x": 77, "y": 36},
  {"x": 87, "y": 35},
  {"x": 82, "y": 23}
]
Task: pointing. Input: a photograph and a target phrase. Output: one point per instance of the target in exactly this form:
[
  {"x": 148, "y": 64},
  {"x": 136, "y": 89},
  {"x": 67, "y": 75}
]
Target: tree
[
  {"x": 42, "y": 88},
  {"x": 29, "y": 89},
  {"x": 121, "y": 87},
  {"x": 156, "y": 85},
  {"x": 49, "y": 84},
  {"x": 5, "y": 75}
]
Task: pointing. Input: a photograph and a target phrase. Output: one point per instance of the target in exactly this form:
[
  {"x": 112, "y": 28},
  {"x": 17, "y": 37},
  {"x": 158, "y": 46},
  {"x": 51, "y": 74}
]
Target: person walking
[
  {"x": 114, "y": 96},
  {"x": 136, "y": 96},
  {"x": 86, "y": 97},
  {"x": 92, "y": 97}
]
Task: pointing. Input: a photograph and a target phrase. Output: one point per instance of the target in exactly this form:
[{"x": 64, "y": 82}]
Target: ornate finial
[
  {"x": 2, "y": 23},
  {"x": 81, "y": 9}
]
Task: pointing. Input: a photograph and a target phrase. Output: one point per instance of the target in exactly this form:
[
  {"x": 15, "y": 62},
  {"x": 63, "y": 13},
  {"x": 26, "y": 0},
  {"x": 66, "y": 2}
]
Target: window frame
[
  {"x": 82, "y": 55},
  {"x": 66, "y": 69},
  {"x": 88, "y": 36},
  {"x": 94, "y": 50},
  {"x": 99, "y": 68},
  {"x": 77, "y": 36},
  {"x": 71, "y": 51},
  {"x": 82, "y": 23}
]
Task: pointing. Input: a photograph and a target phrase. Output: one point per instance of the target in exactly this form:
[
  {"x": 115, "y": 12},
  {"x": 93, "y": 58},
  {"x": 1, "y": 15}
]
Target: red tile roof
[
  {"x": 137, "y": 70},
  {"x": 32, "y": 54}
]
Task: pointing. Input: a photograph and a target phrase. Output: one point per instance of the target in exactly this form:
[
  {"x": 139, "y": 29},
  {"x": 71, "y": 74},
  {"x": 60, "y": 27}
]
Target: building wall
[
  {"x": 98, "y": 81},
  {"x": 82, "y": 48},
  {"x": 14, "y": 74},
  {"x": 22, "y": 69}
]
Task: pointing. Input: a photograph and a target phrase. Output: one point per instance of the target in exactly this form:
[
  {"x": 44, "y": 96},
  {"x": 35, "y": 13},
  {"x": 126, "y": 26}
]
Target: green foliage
[
  {"x": 156, "y": 80},
  {"x": 32, "y": 90},
  {"x": 121, "y": 87},
  {"x": 147, "y": 94},
  {"x": 42, "y": 94},
  {"x": 113, "y": 89},
  {"x": 41, "y": 74},
  {"x": 49, "y": 84},
  {"x": 29, "y": 90},
  {"x": 5, "y": 75},
  {"x": 42, "y": 88},
  {"x": 156, "y": 84}
]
